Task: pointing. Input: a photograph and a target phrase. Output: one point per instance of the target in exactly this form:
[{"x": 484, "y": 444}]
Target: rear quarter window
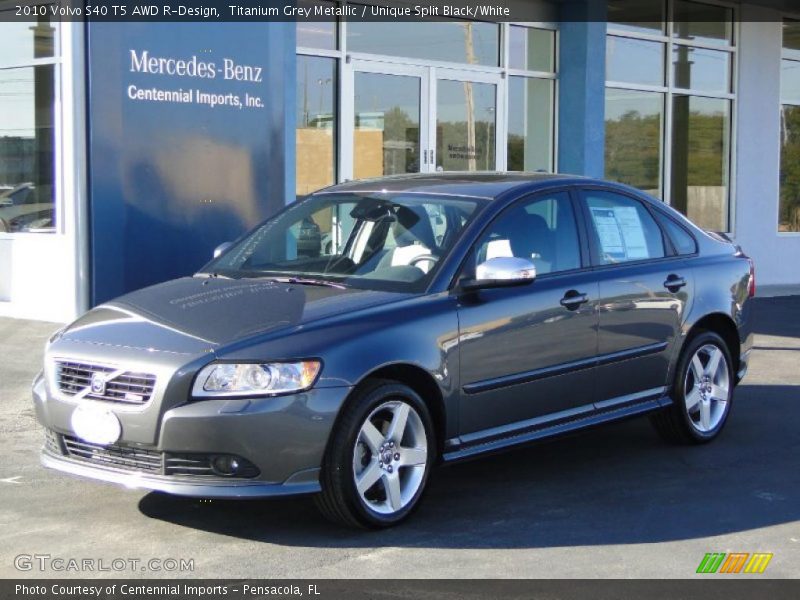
[{"x": 682, "y": 240}]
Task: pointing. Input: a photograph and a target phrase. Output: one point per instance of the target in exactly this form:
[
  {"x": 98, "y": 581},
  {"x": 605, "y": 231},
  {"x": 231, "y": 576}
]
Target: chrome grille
[
  {"x": 123, "y": 457},
  {"x": 130, "y": 387}
]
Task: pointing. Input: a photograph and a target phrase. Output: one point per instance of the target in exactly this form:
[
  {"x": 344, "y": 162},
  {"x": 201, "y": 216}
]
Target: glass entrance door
[
  {"x": 412, "y": 119},
  {"x": 389, "y": 119},
  {"x": 466, "y": 123}
]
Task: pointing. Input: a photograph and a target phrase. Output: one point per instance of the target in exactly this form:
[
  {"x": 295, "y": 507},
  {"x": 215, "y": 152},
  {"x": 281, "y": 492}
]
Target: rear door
[{"x": 644, "y": 288}]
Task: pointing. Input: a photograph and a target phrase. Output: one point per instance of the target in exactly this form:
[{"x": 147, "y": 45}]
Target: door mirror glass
[
  {"x": 504, "y": 271},
  {"x": 220, "y": 250}
]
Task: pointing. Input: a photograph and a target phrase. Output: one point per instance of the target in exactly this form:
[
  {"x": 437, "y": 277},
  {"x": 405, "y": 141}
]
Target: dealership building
[{"x": 130, "y": 150}]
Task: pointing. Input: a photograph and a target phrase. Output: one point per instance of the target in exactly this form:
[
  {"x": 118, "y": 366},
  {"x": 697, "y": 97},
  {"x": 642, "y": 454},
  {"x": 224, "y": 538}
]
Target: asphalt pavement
[{"x": 613, "y": 502}]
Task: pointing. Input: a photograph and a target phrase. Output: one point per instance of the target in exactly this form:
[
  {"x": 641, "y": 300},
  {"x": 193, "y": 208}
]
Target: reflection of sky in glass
[
  {"x": 620, "y": 102},
  {"x": 316, "y": 87},
  {"x": 445, "y": 41},
  {"x": 790, "y": 81},
  {"x": 379, "y": 93},
  {"x": 316, "y": 34},
  {"x": 700, "y": 69},
  {"x": 17, "y": 102},
  {"x": 634, "y": 61},
  {"x": 531, "y": 49},
  {"x": 21, "y": 42}
]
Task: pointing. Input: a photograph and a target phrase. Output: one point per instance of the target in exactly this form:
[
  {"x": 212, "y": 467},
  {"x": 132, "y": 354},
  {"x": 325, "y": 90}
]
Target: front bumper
[
  {"x": 223, "y": 488},
  {"x": 284, "y": 437}
]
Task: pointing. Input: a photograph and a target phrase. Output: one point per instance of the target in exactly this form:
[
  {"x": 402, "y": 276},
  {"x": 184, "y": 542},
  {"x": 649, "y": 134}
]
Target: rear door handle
[
  {"x": 674, "y": 283},
  {"x": 573, "y": 299}
]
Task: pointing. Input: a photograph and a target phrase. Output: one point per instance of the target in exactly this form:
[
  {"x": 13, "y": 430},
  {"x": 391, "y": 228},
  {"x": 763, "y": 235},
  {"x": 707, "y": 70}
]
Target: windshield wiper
[
  {"x": 307, "y": 281},
  {"x": 292, "y": 279}
]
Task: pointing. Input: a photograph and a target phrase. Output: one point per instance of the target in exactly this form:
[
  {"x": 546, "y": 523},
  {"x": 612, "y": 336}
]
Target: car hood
[{"x": 194, "y": 315}]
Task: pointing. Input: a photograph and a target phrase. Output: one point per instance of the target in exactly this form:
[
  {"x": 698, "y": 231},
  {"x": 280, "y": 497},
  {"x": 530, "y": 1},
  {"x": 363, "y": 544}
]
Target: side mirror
[
  {"x": 502, "y": 271},
  {"x": 220, "y": 250}
]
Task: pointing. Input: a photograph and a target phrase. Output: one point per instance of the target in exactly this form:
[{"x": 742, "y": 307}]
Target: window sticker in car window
[
  {"x": 621, "y": 233},
  {"x": 630, "y": 224},
  {"x": 608, "y": 231}
]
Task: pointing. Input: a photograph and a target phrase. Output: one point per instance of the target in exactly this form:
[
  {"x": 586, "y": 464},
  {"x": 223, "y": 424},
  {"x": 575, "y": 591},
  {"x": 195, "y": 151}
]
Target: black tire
[
  {"x": 339, "y": 500},
  {"x": 674, "y": 424}
]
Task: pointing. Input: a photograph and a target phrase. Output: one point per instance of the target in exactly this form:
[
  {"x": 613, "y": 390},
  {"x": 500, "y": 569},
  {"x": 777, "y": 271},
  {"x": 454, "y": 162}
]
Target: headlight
[{"x": 255, "y": 379}]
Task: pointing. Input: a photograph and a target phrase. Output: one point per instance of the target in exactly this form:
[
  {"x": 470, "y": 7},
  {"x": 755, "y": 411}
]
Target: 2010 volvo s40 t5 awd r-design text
[{"x": 443, "y": 316}]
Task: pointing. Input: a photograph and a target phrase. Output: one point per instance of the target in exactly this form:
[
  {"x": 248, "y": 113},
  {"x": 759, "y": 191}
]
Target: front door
[{"x": 528, "y": 352}]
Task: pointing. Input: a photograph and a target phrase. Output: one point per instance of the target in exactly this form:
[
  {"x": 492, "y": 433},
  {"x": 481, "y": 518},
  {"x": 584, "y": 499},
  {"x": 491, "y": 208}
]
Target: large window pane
[
  {"x": 530, "y": 117},
  {"x": 789, "y": 215},
  {"x": 638, "y": 16},
  {"x": 790, "y": 81},
  {"x": 22, "y": 42},
  {"x": 387, "y": 117},
  {"x": 700, "y": 69},
  {"x": 316, "y": 123},
  {"x": 532, "y": 49},
  {"x": 634, "y": 61},
  {"x": 468, "y": 42},
  {"x": 465, "y": 126},
  {"x": 706, "y": 23},
  {"x": 633, "y": 138},
  {"x": 700, "y": 160},
  {"x": 27, "y": 148}
]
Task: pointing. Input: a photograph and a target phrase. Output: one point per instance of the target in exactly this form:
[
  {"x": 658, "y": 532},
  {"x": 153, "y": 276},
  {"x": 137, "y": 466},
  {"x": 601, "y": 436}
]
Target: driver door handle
[
  {"x": 573, "y": 299},
  {"x": 674, "y": 282}
]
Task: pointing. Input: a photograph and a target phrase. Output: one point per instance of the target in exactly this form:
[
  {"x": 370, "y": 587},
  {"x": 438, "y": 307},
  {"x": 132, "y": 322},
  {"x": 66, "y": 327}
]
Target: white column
[{"x": 757, "y": 155}]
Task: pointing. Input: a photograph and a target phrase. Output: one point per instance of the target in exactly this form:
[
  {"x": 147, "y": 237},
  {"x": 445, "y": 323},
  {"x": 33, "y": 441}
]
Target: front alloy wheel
[
  {"x": 390, "y": 457},
  {"x": 379, "y": 458}
]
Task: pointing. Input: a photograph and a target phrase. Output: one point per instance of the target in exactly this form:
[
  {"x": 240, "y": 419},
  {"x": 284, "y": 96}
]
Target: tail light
[{"x": 751, "y": 284}]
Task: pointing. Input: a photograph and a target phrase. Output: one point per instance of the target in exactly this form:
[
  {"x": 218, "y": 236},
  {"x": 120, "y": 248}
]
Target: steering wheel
[{"x": 423, "y": 258}]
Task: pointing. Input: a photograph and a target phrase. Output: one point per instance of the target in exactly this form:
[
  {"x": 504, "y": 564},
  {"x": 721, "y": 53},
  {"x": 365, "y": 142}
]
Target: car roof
[{"x": 478, "y": 184}]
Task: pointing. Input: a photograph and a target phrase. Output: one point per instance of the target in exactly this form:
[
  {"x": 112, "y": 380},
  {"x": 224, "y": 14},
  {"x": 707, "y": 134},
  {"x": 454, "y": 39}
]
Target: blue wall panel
[
  {"x": 582, "y": 80},
  {"x": 169, "y": 180}
]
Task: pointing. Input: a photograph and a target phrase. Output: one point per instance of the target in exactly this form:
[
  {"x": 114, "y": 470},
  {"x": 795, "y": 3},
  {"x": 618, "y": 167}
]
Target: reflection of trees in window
[
  {"x": 633, "y": 150},
  {"x": 790, "y": 169}
]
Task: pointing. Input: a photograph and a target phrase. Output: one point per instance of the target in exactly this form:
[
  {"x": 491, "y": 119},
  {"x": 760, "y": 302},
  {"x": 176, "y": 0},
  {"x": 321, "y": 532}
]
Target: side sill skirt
[{"x": 555, "y": 428}]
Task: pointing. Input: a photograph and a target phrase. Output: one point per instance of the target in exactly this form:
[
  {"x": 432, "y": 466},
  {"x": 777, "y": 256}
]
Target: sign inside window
[{"x": 621, "y": 233}]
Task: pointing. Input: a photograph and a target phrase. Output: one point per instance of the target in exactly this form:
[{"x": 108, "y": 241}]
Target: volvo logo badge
[{"x": 98, "y": 384}]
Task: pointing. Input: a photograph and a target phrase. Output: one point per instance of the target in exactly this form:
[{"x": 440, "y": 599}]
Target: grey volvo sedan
[{"x": 443, "y": 316}]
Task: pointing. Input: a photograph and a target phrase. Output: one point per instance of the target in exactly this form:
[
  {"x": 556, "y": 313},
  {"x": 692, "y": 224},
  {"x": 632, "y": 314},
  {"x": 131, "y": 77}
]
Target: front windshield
[{"x": 368, "y": 240}]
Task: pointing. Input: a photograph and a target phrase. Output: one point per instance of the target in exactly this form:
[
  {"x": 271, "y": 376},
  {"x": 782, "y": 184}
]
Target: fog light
[{"x": 225, "y": 465}]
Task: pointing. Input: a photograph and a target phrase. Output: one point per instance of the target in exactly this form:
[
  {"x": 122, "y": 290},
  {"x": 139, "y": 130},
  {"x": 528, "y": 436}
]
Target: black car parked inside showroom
[{"x": 443, "y": 316}]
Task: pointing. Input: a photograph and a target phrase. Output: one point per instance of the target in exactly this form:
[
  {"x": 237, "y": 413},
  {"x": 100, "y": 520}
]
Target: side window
[
  {"x": 623, "y": 229},
  {"x": 682, "y": 240},
  {"x": 542, "y": 230}
]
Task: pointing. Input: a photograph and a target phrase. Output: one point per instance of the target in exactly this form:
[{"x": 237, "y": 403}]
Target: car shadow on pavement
[{"x": 615, "y": 485}]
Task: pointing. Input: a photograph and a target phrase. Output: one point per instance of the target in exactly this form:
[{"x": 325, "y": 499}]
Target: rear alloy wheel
[
  {"x": 380, "y": 458},
  {"x": 702, "y": 392}
]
